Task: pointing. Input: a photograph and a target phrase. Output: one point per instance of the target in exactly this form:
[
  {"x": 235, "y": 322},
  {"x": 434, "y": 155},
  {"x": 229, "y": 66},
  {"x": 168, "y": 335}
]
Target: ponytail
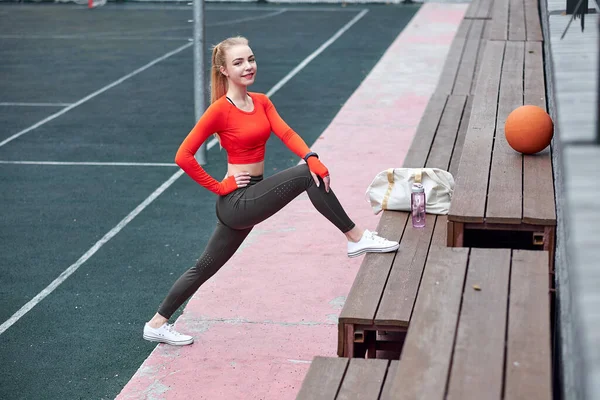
[{"x": 218, "y": 81}]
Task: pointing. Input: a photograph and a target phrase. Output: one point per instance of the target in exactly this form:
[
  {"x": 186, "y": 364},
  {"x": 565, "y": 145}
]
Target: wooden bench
[
  {"x": 347, "y": 378},
  {"x": 480, "y": 330},
  {"x": 464, "y": 56},
  {"x": 377, "y": 310},
  {"x": 503, "y": 198},
  {"x": 378, "y": 307},
  {"x": 515, "y": 20}
]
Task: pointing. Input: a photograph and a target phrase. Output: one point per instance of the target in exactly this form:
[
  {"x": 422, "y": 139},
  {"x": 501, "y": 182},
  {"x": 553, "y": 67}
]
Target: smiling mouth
[{"x": 248, "y": 76}]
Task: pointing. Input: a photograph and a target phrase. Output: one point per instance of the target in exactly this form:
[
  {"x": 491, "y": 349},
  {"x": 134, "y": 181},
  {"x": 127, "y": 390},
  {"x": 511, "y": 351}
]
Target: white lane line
[
  {"x": 8, "y": 104},
  {"x": 187, "y": 27},
  {"x": 92, "y": 163},
  {"x": 124, "y": 35},
  {"x": 311, "y": 57},
  {"x": 69, "y": 271},
  {"x": 96, "y": 93}
]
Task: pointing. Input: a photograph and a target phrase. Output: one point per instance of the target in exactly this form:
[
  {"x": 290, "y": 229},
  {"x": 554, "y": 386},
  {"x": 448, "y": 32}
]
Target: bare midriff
[{"x": 254, "y": 169}]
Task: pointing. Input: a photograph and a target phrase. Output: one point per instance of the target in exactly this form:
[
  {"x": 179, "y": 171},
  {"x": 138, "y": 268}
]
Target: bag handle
[{"x": 388, "y": 192}]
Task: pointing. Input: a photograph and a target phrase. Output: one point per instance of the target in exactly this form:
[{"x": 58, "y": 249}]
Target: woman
[{"x": 243, "y": 122}]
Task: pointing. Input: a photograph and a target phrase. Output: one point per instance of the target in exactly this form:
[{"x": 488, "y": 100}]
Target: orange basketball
[{"x": 529, "y": 129}]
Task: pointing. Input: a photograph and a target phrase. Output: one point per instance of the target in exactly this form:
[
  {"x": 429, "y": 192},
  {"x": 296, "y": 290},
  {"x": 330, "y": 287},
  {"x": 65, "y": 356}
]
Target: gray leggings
[{"x": 239, "y": 211}]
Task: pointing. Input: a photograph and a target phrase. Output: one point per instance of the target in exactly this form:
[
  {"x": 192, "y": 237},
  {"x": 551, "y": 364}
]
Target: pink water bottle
[{"x": 417, "y": 203}]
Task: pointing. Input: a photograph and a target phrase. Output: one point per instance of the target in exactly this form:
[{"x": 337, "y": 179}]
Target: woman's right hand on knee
[{"x": 326, "y": 181}]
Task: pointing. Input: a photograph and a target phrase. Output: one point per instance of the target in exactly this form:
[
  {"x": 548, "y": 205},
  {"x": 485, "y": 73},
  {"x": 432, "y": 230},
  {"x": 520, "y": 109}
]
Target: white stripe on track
[
  {"x": 96, "y": 93},
  {"x": 69, "y": 271}
]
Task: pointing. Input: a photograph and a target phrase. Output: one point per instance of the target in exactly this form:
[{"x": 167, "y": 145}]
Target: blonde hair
[{"x": 218, "y": 81}]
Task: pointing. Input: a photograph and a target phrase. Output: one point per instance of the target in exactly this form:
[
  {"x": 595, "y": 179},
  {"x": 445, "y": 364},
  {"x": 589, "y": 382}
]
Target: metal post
[
  {"x": 199, "y": 102},
  {"x": 598, "y": 93}
]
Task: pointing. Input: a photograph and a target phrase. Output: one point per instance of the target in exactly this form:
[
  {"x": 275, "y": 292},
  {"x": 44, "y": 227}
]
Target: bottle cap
[{"x": 418, "y": 188}]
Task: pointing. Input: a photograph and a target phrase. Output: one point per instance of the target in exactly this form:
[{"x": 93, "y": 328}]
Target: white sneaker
[
  {"x": 370, "y": 242},
  {"x": 166, "y": 334}
]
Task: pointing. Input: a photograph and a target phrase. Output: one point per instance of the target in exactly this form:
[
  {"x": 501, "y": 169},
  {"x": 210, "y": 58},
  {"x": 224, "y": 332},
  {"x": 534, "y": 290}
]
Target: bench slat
[
  {"x": 532, "y": 21},
  {"x": 323, "y": 378},
  {"x": 468, "y": 203},
  {"x": 403, "y": 283},
  {"x": 528, "y": 357},
  {"x": 365, "y": 293},
  {"x": 472, "y": 9},
  {"x": 485, "y": 9},
  {"x": 364, "y": 379},
  {"x": 499, "y": 22},
  {"x": 439, "y": 233},
  {"x": 460, "y": 137},
  {"x": 466, "y": 72},
  {"x": 419, "y": 148},
  {"x": 516, "y": 22},
  {"x": 505, "y": 191},
  {"x": 447, "y": 77},
  {"x": 389, "y": 379},
  {"x": 425, "y": 361},
  {"x": 538, "y": 182},
  {"x": 445, "y": 137},
  {"x": 477, "y": 367}
]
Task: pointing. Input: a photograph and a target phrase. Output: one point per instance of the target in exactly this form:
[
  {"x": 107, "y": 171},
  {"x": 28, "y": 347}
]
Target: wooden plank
[
  {"x": 528, "y": 353},
  {"x": 485, "y": 9},
  {"x": 538, "y": 181},
  {"x": 460, "y": 137},
  {"x": 363, "y": 299},
  {"x": 423, "y": 138},
  {"x": 505, "y": 193},
  {"x": 486, "y": 29},
  {"x": 466, "y": 71},
  {"x": 478, "y": 362},
  {"x": 403, "y": 283},
  {"x": 516, "y": 21},
  {"x": 389, "y": 379},
  {"x": 445, "y": 137},
  {"x": 468, "y": 202},
  {"x": 480, "y": 53},
  {"x": 363, "y": 380},
  {"x": 323, "y": 379},
  {"x": 425, "y": 361},
  {"x": 439, "y": 232},
  {"x": 472, "y": 9},
  {"x": 532, "y": 21},
  {"x": 499, "y": 23},
  {"x": 455, "y": 53}
]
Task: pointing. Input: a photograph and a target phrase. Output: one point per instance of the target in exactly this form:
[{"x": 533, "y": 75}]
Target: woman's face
[{"x": 240, "y": 65}]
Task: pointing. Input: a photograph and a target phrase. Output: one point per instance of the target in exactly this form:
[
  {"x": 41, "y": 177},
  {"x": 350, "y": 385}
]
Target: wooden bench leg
[
  {"x": 371, "y": 344},
  {"x": 456, "y": 232},
  {"x": 450, "y": 234},
  {"x": 349, "y": 342}
]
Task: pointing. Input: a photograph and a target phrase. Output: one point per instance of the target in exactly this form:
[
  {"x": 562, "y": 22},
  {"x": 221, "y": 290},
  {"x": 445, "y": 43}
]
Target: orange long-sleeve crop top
[{"x": 242, "y": 134}]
